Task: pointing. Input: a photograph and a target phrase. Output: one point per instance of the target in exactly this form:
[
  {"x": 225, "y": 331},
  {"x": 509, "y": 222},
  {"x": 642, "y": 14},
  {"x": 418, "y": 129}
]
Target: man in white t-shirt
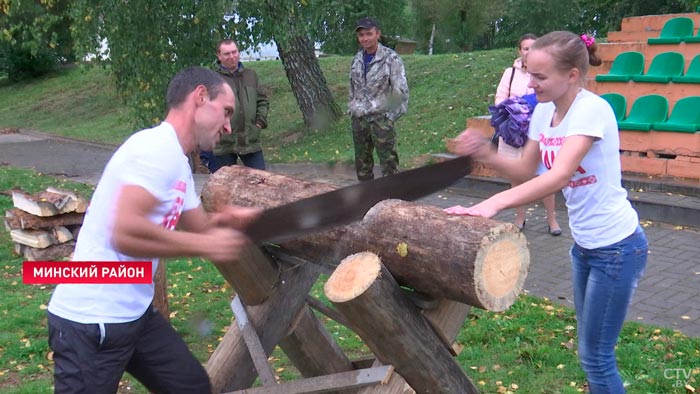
[{"x": 98, "y": 331}]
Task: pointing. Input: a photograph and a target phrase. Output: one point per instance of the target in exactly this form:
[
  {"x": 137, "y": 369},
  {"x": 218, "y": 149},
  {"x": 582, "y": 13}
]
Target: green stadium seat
[
  {"x": 685, "y": 116},
  {"x": 663, "y": 67},
  {"x": 695, "y": 38},
  {"x": 625, "y": 65},
  {"x": 645, "y": 111},
  {"x": 692, "y": 74},
  {"x": 618, "y": 103},
  {"x": 674, "y": 31}
]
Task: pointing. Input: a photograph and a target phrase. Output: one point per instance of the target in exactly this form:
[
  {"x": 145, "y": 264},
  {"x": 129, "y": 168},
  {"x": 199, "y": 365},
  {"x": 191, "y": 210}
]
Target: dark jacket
[{"x": 251, "y": 109}]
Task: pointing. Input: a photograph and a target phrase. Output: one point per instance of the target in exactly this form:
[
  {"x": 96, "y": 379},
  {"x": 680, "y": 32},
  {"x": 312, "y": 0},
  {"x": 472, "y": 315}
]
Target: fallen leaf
[{"x": 402, "y": 249}]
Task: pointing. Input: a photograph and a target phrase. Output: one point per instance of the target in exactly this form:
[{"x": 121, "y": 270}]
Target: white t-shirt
[
  {"x": 154, "y": 160},
  {"x": 599, "y": 212}
]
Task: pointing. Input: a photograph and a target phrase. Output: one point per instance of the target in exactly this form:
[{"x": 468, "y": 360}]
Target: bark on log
[
  {"x": 252, "y": 282},
  {"x": 477, "y": 261},
  {"x": 17, "y": 219},
  {"x": 310, "y": 353},
  {"x": 396, "y": 331},
  {"x": 53, "y": 252},
  {"x": 447, "y": 320}
]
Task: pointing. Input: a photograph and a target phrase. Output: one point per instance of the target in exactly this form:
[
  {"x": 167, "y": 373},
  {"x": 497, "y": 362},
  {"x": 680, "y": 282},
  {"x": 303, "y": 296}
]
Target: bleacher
[{"x": 649, "y": 67}]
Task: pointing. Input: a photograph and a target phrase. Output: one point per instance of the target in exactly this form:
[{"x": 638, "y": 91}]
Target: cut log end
[
  {"x": 500, "y": 267},
  {"x": 354, "y": 275}
]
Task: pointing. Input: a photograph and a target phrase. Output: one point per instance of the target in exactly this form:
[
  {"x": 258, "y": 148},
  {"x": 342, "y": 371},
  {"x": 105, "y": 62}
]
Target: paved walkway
[{"x": 668, "y": 295}]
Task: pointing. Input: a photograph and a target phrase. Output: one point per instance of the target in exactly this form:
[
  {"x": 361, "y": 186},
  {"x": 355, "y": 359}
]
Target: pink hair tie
[{"x": 588, "y": 40}]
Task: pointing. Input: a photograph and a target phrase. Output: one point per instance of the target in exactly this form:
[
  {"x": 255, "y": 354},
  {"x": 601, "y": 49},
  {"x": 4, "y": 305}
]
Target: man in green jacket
[
  {"x": 378, "y": 96},
  {"x": 249, "y": 118}
]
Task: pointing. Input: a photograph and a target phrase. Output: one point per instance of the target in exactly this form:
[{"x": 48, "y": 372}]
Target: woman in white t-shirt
[
  {"x": 574, "y": 134},
  {"x": 514, "y": 83}
]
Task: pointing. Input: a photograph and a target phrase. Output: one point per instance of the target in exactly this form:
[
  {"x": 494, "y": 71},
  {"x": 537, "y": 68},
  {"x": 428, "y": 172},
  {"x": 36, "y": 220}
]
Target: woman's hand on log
[
  {"x": 485, "y": 209},
  {"x": 470, "y": 142},
  {"x": 235, "y": 216}
]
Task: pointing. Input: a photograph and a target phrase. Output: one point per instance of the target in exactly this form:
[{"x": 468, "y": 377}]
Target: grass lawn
[
  {"x": 528, "y": 349},
  {"x": 445, "y": 90}
]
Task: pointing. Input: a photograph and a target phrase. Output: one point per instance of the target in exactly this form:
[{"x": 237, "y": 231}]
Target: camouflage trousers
[{"x": 369, "y": 132}]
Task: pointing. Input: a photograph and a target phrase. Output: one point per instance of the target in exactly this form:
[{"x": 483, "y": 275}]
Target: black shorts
[{"x": 86, "y": 361}]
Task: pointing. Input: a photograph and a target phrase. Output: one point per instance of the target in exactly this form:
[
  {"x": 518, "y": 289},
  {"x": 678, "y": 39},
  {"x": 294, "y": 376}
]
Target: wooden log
[
  {"x": 393, "y": 328},
  {"x": 252, "y": 282},
  {"x": 270, "y": 287},
  {"x": 51, "y": 202},
  {"x": 74, "y": 203},
  {"x": 17, "y": 219},
  {"x": 477, "y": 261},
  {"x": 326, "y": 384},
  {"x": 41, "y": 239},
  {"x": 311, "y": 355},
  {"x": 38, "y": 239},
  {"x": 447, "y": 319},
  {"x": 230, "y": 367},
  {"x": 395, "y": 385},
  {"x": 53, "y": 252}
]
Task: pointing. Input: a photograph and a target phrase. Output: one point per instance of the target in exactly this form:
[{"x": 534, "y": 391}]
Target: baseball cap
[{"x": 366, "y": 23}]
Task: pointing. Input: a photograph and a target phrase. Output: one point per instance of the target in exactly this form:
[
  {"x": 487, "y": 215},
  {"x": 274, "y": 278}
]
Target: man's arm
[
  {"x": 399, "y": 94},
  {"x": 236, "y": 217},
  {"x": 263, "y": 105},
  {"x": 135, "y": 235}
]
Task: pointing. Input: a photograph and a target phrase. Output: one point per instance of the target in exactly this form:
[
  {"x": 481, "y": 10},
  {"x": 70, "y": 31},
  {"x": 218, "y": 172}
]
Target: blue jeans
[
  {"x": 253, "y": 160},
  {"x": 604, "y": 280}
]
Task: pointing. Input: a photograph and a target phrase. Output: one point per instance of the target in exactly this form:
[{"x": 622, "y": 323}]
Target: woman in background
[{"x": 514, "y": 84}]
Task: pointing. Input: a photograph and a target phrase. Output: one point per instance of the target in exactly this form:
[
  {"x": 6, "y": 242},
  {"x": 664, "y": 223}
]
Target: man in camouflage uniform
[
  {"x": 249, "y": 118},
  {"x": 378, "y": 97}
]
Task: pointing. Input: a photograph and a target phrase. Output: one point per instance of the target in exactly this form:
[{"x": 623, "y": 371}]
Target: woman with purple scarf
[{"x": 510, "y": 112}]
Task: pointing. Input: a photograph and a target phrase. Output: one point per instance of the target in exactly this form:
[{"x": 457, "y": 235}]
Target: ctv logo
[{"x": 679, "y": 376}]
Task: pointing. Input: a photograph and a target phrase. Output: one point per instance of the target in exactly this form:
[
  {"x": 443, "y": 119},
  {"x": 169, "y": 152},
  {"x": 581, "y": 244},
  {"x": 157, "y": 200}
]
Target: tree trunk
[
  {"x": 160, "y": 295},
  {"x": 366, "y": 293},
  {"x": 309, "y": 86},
  {"x": 432, "y": 40},
  {"x": 480, "y": 262}
]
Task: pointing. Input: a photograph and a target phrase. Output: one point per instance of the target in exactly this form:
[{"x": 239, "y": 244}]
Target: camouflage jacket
[
  {"x": 382, "y": 89},
  {"x": 251, "y": 109}
]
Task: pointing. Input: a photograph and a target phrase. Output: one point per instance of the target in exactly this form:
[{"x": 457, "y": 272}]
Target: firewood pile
[{"x": 44, "y": 226}]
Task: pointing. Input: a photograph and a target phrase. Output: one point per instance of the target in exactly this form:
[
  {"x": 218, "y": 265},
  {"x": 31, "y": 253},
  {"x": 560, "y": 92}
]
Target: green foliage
[
  {"x": 34, "y": 37},
  {"x": 458, "y": 24},
  {"x": 598, "y": 16},
  {"x": 329, "y": 22},
  {"x": 148, "y": 43}
]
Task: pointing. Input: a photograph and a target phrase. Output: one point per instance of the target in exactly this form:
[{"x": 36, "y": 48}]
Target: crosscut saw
[{"x": 351, "y": 203}]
